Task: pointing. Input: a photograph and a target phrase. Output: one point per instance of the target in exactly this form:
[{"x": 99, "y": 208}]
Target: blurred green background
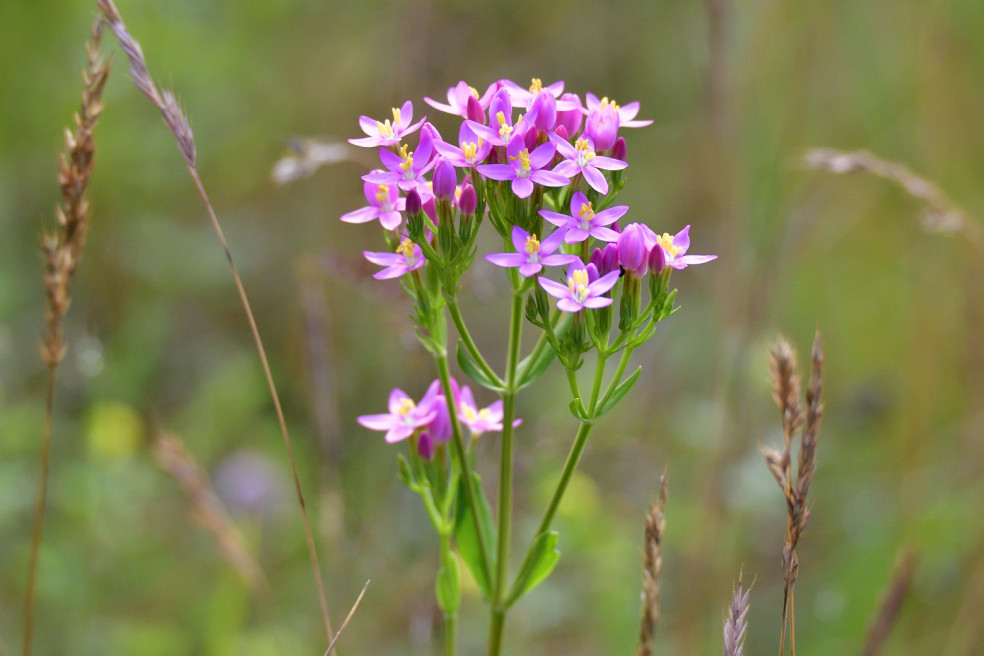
[{"x": 738, "y": 91}]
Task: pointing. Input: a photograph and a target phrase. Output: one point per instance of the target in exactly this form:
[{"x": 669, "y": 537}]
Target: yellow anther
[
  {"x": 532, "y": 245},
  {"x": 484, "y": 413},
  {"x": 469, "y": 150},
  {"x": 524, "y": 160},
  {"x": 382, "y": 193},
  {"x": 586, "y": 213},
  {"x": 406, "y": 407},
  {"x": 578, "y": 284},
  {"x": 396, "y": 116},
  {"x": 584, "y": 149},
  {"x": 666, "y": 241},
  {"x": 536, "y": 86},
  {"x": 474, "y": 92},
  {"x": 385, "y": 129},
  {"x": 468, "y": 413},
  {"x": 406, "y": 247},
  {"x": 407, "y": 156},
  {"x": 606, "y": 101}
]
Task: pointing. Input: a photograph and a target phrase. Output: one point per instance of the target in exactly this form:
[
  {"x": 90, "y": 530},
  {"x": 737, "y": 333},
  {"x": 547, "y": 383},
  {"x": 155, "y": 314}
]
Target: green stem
[
  {"x": 596, "y": 385},
  {"x": 450, "y": 615},
  {"x": 619, "y": 372},
  {"x": 458, "y": 446},
  {"x": 466, "y": 339},
  {"x": 505, "y": 474}
]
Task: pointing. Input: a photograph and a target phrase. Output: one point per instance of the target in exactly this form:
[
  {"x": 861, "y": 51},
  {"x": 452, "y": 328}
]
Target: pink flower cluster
[{"x": 534, "y": 143}]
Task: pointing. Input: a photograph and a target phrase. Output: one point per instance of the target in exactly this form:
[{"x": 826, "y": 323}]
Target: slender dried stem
[
  {"x": 805, "y": 419},
  {"x": 891, "y": 604},
  {"x": 348, "y": 617},
  {"x": 62, "y": 251},
  {"x": 941, "y": 214},
  {"x": 178, "y": 124},
  {"x": 652, "y": 565}
]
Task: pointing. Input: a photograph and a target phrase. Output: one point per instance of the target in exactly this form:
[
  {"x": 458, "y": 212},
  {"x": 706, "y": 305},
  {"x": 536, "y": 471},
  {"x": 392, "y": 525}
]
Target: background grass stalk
[
  {"x": 62, "y": 251},
  {"x": 178, "y": 125}
]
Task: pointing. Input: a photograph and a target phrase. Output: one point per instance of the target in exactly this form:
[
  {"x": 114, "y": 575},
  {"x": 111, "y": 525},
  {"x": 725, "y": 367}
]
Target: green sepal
[
  {"x": 403, "y": 471},
  {"x": 543, "y": 558},
  {"x": 467, "y": 538}
]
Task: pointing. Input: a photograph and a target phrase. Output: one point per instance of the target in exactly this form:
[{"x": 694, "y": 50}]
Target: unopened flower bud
[
  {"x": 445, "y": 179},
  {"x": 618, "y": 150},
  {"x": 430, "y": 209},
  {"x": 657, "y": 260},
  {"x": 468, "y": 201},
  {"x": 592, "y": 272},
  {"x": 602, "y": 127},
  {"x": 569, "y": 119},
  {"x": 561, "y": 132},
  {"x": 596, "y": 258},
  {"x": 474, "y": 110},
  {"x": 530, "y": 139},
  {"x": 413, "y": 202},
  {"x": 633, "y": 254},
  {"x": 425, "y": 446},
  {"x": 544, "y": 109}
]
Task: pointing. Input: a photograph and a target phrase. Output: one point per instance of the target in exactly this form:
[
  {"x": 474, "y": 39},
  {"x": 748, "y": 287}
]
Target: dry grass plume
[{"x": 652, "y": 565}]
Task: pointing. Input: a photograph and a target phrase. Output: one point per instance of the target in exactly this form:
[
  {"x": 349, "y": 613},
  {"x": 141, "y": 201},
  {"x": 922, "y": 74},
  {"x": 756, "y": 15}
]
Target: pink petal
[
  {"x": 595, "y": 179},
  {"x": 361, "y": 215},
  {"x": 522, "y": 187}
]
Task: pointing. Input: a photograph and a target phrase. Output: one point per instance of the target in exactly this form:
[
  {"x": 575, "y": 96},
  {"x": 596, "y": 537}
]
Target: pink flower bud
[
  {"x": 445, "y": 179},
  {"x": 544, "y": 109},
  {"x": 657, "y": 260},
  {"x": 561, "y": 132},
  {"x": 474, "y": 110},
  {"x": 633, "y": 254},
  {"x": 413, "y": 202},
  {"x": 425, "y": 446},
  {"x": 618, "y": 150},
  {"x": 468, "y": 201},
  {"x": 569, "y": 119},
  {"x": 602, "y": 127}
]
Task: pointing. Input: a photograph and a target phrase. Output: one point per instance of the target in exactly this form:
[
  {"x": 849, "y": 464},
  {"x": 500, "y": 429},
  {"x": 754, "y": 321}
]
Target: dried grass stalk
[
  {"x": 345, "y": 622},
  {"x": 61, "y": 250},
  {"x": 941, "y": 214},
  {"x": 652, "y": 564},
  {"x": 736, "y": 623},
  {"x": 178, "y": 124},
  {"x": 805, "y": 419},
  {"x": 207, "y": 509},
  {"x": 891, "y": 604}
]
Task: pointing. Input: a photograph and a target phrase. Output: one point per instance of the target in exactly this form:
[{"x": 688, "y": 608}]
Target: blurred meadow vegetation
[{"x": 739, "y": 92}]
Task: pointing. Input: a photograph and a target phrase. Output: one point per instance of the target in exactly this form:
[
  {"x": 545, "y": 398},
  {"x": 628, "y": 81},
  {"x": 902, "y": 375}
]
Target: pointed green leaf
[
  {"x": 543, "y": 557},
  {"x": 466, "y": 535},
  {"x": 619, "y": 392},
  {"x": 472, "y": 371},
  {"x": 534, "y": 369}
]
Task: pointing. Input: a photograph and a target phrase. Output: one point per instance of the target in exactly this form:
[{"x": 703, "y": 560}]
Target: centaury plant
[{"x": 546, "y": 181}]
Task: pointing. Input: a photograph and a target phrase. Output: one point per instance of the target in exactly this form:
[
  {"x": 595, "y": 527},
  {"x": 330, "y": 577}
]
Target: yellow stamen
[
  {"x": 666, "y": 241},
  {"x": 474, "y": 92},
  {"x": 532, "y": 245},
  {"x": 406, "y": 407},
  {"x": 382, "y": 193},
  {"x": 536, "y": 86},
  {"x": 468, "y": 413},
  {"x": 406, "y": 247},
  {"x": 396, "y": 116},
  {"x": 606, "y": 101},
  {"x": 586, "y": 213},
  {"x": 578, "y": 284},
  {"x": 484, "y": 413},
  {"x": 469, "y": 150},
  {"x": 504, "y": 128},
  {"x": 524, "y": 160},
  {"x": 385, "y": 129},
  {"x": 584, "y": 149},
  {"x": 407, "y": 156}
]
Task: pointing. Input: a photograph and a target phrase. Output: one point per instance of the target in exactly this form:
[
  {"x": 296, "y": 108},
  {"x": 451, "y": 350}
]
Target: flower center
[
  {"x": 468, "y": 413},
  {"x": 406, "y": 407},
  {"x": 578, "y": 284},
  {"x": 408, "y": 250},
  {"x": 585, "y": 153},
  {"x": 524, "y": 163},
  {"x": 536, "y": 86},
  {"x": 504, "y": 128},
  {"x": 407, "y": 164},
  {"x": 474, "y": 92},
  {"x": 469, "y": 149},
  {"x": 385, "y": 129},
  {"x": 586, "y": 215},
  {"x": 606, "y": 101},
  {"x": 382, "y": 194},
  {"x": 666, "y": 243},
  {"x": 533, "y": 248}
]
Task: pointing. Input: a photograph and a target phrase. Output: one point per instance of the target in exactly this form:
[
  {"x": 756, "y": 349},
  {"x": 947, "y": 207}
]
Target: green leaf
[
  {"x": 536, "y": 368},
  {"x": 578, "y": 412},
  {"x": 403, "y": 469},
  {"x": 466, "y": 535},
  {"x": 543, "y": 557},
  {"x": 472, "y": 371},
  {"x": 619, "y": 392},
  {"x": 448, "y": 586}
]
